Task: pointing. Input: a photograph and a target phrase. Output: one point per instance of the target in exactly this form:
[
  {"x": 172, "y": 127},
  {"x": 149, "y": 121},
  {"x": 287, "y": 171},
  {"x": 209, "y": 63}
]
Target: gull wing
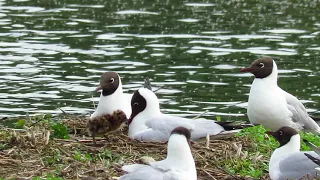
[
  {"x": 299, "y": 113},
  {"x": 297, "y": 165}
]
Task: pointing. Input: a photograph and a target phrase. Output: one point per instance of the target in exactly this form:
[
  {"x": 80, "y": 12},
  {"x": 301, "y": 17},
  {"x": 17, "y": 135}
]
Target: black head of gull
[
  {"x": 283, "y": 135},
  {"x": 138, "y": 104},
  {"x": 182, "y": 131},
  {"x": 260, "y": 68},
  {"x": 109, "y": 83}
]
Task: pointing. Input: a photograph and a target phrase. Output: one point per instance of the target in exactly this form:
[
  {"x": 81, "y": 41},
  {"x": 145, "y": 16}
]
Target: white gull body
[
  {"x": 152, "y": 125},
  {"x": 115, "y": 101},
  {"x": 288, "y": 162},
  {"x": 274, "y": 108},
  {"x": 179, "y": 164}
]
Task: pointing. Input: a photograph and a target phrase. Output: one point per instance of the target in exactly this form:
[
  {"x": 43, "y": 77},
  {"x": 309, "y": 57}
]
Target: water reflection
[{"x": 52, "y": 53}]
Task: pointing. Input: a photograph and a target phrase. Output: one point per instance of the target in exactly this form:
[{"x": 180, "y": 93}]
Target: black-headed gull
[
  {"x": 179, "y": 164},
  {"x": 147, "y": 123},
  {"x": 287, "y": 161},
  {"x": 112, "y": 97},
  {"x": 271, "y": 106}
]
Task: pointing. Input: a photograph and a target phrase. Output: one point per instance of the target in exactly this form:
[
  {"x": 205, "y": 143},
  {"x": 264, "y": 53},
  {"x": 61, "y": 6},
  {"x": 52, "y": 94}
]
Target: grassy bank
[{"x": 45, "y": 148}]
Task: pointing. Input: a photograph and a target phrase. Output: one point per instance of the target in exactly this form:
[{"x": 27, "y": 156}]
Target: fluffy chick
[{"x": 106, "y": 123}]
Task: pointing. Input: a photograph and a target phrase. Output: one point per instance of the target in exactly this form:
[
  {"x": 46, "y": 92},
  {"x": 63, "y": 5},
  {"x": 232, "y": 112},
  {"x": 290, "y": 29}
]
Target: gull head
[
  {"x": 109, "y": 83},
  {"x": 284, "y": 135},
  {"x": 144, "y": 103},
  {"x": 261, "y": 68},
  {"x": 181, "y": 131}
]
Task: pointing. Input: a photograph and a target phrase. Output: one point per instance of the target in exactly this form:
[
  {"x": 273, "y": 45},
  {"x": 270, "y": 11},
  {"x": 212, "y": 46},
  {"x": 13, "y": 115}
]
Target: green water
[{"x": 53, "y": 52}]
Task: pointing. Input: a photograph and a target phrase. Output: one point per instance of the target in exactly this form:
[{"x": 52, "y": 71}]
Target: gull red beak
[
  {"x": 98, "y": 88},
  {"x": 247, "y": 69}
]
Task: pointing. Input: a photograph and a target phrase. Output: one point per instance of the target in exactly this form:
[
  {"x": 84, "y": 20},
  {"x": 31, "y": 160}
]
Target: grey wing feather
[
  {"x": 160, "y": 128},
  {"x": 299, "y": 112},
  {"x": 204, "y": 127},
  {"x": 151, "y": 135},
  {"x": 166, "y": 123},
  {"x": 133, "y": 167},
  {"x": 297, "y": 165},
  {"x": 314, "y": 159},
  {"x": 199, "y": 128},
  {"x": 144, "y": 173}
]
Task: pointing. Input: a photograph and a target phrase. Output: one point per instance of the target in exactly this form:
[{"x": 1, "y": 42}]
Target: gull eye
[
  {"x": 280, "y": 133},
  {"x": 111, "y": 80},
  {"x": 135, "y": 104},
  {"x": 261, "y": 65}
]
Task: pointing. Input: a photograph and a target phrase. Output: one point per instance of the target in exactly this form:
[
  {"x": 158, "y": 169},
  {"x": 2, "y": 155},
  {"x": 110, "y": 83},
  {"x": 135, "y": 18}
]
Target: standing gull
[
  {"x": 179, "y": 164},
  {"x": 147, "y": 123},
  {"x": 287, "y": 161},
  {"x": 112, "y": 97},
  {"x": 114, "y": 106},
  {"x": 271, "y": 106}
]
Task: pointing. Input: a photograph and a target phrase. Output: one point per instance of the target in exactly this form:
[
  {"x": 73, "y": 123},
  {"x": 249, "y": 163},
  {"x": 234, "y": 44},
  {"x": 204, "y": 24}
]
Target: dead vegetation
[{"x": 34, "y": 152}]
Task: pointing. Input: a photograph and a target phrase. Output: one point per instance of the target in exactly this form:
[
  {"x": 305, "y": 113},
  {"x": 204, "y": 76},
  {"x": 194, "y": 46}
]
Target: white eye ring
[
  {"x": 280, "y": 132},
  {"x": 262, "y": 65},
  {"x": 112, "y": 80},
  {"x": 135, "y": 104}
]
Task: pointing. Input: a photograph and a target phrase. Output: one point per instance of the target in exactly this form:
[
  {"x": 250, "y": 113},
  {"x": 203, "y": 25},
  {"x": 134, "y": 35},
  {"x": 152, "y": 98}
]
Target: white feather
[
  {"x": 152, "y": 125},
  {"x": 116, "y": 101},
  {"x": 274, "y": 108}
]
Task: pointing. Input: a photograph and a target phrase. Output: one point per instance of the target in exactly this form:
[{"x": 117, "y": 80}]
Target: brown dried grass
[{"x": 29, "y": 152}]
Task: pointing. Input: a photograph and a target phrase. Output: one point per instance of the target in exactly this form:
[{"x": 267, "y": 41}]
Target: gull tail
[
  {"x": 147, "y": 84},
  {"x": 229, "y": 126},
  {"x": 313, "y": 159}
]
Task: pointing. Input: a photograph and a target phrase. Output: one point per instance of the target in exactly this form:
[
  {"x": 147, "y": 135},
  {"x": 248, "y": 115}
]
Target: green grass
[
  {"x": 264, "y": 145},
  {"x": 258, "y": 144},
  {"x": 311, "y": 138},
  {"x": 59, "y": 129}
]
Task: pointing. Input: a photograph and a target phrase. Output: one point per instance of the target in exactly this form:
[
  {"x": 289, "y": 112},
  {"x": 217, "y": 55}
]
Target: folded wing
[
  {"x": 299, "y": 113},
  {"x": 297, "y": 165},
  {"x": 160, "y": 128},
  {"x": 142, "y": 172}
]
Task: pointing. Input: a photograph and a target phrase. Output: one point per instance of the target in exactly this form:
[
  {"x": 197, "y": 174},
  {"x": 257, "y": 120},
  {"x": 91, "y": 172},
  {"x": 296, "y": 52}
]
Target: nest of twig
[{"x": 30, "y": 153}]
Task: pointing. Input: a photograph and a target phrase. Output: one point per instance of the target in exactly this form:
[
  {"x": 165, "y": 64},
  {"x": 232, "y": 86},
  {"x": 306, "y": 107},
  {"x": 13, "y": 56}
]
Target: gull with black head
[
  {"x": 147, "y": 123},
  {"x": 112, "y": 97},
  {"x": 287, "y": 161},
  {"x": 271, "y": 106},
  {"x": 178, "y": 165},
  {"x": 114, "y": 106}
]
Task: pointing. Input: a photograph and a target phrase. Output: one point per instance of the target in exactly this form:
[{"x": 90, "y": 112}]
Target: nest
[{"x": 30, "y": 153}]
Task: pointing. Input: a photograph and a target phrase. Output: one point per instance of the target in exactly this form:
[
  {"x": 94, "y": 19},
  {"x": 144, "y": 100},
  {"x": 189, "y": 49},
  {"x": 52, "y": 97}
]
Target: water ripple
[{"x": 52, "y": 55}]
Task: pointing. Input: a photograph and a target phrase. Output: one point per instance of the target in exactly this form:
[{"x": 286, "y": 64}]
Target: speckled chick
[{"x": 106, "y": 123}]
